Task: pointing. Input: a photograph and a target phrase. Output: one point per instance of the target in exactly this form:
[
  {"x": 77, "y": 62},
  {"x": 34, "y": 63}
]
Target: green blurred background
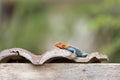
[{"x": 35, "y": 25}]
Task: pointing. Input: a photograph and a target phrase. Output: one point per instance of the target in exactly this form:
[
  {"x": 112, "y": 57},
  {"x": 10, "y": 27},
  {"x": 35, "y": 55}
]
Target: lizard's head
[{"x": 61, "y": 45}]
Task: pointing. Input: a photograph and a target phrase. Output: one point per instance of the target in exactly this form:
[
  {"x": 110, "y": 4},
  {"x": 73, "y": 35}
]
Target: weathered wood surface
[{"x": 62, "y": 71}]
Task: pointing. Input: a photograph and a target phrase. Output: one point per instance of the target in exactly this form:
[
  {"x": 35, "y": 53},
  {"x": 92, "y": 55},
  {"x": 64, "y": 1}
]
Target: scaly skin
[{"x": 74, "y": 50}]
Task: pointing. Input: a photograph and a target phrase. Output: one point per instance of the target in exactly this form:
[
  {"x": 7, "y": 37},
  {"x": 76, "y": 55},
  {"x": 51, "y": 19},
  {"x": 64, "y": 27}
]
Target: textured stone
[{"x": 63, "y": 71}]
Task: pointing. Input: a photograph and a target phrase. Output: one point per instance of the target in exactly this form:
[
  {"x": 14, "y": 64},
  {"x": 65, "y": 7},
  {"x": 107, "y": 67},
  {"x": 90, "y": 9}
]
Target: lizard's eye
[{"x": 64, "y": 46}]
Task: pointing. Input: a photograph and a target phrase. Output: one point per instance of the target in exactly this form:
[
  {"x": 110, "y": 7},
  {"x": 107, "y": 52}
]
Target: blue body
[{"x": 76, "y": 51}]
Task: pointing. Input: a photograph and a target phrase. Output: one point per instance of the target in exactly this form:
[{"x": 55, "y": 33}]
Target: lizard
[{"x": 72, "y": 49}]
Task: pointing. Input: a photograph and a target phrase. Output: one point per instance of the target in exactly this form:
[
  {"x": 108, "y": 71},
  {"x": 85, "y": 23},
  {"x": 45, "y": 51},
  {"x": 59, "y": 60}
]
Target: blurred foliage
[
  {"x": 107, "y": 27},
  {"x": 104, "y": 17},
  {"x": 29, "y": 26}
]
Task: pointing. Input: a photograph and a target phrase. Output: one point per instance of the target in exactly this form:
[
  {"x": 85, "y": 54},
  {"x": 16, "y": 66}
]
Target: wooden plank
[{"x": 61, "y": 71}]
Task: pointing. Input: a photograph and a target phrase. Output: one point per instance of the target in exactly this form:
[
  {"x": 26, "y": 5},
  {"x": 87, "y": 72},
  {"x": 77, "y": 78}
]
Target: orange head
[{"x": 61, "y": 45}]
